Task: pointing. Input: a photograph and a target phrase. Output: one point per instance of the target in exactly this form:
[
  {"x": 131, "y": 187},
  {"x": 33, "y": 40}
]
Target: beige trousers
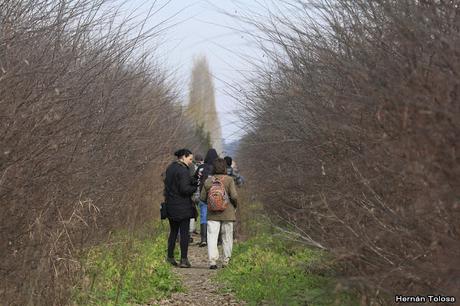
[{"x": 227, "y": 241}]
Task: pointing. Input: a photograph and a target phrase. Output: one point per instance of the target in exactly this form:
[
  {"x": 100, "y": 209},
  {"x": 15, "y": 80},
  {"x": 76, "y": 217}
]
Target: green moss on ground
[
  {"x": 268, "y": 270},
  {"x": 129, "y": 270}
]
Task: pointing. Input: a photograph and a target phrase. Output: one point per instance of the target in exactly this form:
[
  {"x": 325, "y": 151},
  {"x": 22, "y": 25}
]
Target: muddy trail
[{"x": 200, "y": 289}]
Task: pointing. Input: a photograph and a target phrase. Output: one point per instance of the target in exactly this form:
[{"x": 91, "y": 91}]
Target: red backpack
[{"x": 217, "y": 196}]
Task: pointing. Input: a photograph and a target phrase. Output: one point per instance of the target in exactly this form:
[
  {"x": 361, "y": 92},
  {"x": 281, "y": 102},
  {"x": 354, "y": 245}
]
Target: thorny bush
[
  {"x": 354, "y": 137},
  {"x": 86, "y": 121}
]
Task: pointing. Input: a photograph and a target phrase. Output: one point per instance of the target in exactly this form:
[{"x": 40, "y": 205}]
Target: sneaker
[
  {"x": 172, "y": 261},
  {"x": 202, "y": 244},
  {"x": 213, "y": 267},
  {"x": 184, "y": 263}
]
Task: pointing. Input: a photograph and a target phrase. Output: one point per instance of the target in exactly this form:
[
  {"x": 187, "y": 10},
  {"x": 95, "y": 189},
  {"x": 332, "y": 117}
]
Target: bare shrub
[
  {"x": 86, "y": 122},
  {"x": 354, "y": 137}
]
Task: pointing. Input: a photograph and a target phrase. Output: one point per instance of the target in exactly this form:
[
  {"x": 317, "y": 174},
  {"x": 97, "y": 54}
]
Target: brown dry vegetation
[
  {"x": 87, "y": 123},
  {"x": 354, "y": 138}
]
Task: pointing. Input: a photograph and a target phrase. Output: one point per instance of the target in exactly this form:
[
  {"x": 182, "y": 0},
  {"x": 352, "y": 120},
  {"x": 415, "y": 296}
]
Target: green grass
[
  {"x": 129, "y": 270},
  {"x": 266, "y": 270}
]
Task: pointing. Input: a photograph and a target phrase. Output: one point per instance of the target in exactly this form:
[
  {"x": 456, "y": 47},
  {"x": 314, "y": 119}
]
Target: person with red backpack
[{"x": 219, "y": 192}]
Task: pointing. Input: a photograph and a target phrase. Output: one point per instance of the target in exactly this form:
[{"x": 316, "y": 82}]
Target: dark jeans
[{"x": 174, "y": 226}]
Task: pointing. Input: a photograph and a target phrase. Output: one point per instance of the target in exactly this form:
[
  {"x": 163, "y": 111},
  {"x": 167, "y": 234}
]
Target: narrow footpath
[{"x": 197, "y": 280}]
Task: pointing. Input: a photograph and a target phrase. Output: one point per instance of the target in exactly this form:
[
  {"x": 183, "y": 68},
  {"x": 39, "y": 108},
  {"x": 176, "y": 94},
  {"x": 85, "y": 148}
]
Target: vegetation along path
[{"x": 200, "y": 289}]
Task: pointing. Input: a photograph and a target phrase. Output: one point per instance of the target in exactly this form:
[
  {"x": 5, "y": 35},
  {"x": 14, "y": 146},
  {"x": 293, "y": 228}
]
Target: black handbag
[{"x": 163, "y": 212}]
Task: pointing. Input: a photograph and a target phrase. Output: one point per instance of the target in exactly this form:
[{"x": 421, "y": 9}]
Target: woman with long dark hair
[{"x": 179, "y": 187}]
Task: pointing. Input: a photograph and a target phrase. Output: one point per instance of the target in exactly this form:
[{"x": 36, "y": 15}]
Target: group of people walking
[{"x": 209, "y": 184}]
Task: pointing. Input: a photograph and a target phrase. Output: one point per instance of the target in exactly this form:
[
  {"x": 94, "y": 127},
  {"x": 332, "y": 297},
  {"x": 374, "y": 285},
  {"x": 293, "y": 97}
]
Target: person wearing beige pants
[
  {"x": 220, "y": 219},
  {"x": 227, "y": 241}
]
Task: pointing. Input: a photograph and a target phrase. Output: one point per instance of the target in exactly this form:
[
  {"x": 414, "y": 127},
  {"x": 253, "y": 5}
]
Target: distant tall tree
[{"x": 202, "y": 102}]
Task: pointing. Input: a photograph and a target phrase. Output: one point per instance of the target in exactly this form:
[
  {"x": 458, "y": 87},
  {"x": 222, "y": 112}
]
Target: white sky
[{"x": 200, "y": 27}]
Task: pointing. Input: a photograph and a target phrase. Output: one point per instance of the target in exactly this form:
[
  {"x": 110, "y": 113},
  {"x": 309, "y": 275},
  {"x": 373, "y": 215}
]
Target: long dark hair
[
  {"x": 182, "y": 152},
  {"x": 210, "y": 156}
]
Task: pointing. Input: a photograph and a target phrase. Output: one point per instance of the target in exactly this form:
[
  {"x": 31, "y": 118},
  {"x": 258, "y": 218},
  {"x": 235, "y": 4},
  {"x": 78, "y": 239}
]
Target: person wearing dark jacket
[
  {"x": 179, "y": 187},
  {"x": 196, "y": 196},
  {"x": 201, "y": 174},
  {"x": 231, "y": 171}
]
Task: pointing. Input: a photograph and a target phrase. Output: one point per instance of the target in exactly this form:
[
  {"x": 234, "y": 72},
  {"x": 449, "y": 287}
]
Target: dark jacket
[
  {"x": 205, "y": 169},
  {"x": 235, "y": 175},
  {"x": 210, "y": 156},
  {"x": 179, "y": 187}
]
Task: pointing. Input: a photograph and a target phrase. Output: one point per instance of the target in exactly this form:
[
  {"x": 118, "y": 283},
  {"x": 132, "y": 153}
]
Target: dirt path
[{"x": 196, "y": 281}]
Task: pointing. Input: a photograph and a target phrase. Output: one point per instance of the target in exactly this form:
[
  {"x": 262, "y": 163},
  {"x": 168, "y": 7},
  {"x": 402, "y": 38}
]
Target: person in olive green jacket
[{"x": 223, "y": 220}]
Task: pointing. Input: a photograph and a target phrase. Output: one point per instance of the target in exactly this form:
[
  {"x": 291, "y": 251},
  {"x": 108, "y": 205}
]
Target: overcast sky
[{"x": 201, "y": 28}]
